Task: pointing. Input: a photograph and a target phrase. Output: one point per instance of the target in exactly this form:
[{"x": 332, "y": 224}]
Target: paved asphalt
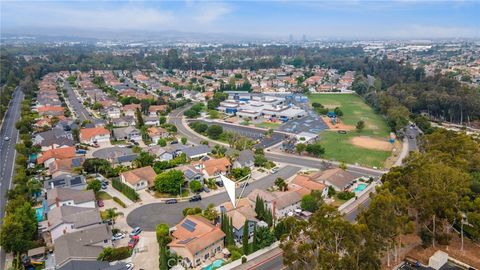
[
  {"x": 148, "y": 216},
  {"x": 80, "y": 111},
  {"x": 7, "y": 154},
  {"x": 411, "y": 136}
]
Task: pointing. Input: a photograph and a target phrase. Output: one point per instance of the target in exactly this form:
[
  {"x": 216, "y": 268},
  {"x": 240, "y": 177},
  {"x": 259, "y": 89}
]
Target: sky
[{"x": 315, "y": 19}]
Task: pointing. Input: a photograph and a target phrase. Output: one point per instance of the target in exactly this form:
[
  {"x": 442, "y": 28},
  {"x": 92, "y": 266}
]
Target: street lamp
[{"x": 464, "y": 217}]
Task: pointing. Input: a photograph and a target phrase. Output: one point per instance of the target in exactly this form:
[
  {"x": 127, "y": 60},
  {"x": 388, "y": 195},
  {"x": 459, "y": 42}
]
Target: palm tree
[{"x": 111, "y": 213}]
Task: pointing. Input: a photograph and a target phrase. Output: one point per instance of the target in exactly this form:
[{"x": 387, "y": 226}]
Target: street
[
  {"x": 7, "y": 154},
  {"x": 80, "y": 111},
  {"x": 148, "y": 216}
]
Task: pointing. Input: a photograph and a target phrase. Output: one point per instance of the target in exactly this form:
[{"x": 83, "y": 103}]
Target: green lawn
[
  {"x": 354, "y": 109},
  {"x": 338, "y": 146},
  {"x": 102, "y": 195},
  {"x": 268, "y": 125}
]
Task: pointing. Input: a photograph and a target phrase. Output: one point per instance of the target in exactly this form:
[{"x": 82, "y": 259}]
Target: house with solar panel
[
  {"x": 196, "y": 240},
  {"x": 66, "y": 181}
]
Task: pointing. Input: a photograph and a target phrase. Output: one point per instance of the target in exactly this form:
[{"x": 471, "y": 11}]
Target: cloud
[
  {"x": 210, "y": 11},
  {"x": 129, "y": 16}
]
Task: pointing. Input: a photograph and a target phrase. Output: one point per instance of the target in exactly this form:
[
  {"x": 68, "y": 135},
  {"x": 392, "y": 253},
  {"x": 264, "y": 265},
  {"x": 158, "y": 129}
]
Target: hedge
[
  {"x": 126, "y": 190},
  {"x": 117, "y": 200}
]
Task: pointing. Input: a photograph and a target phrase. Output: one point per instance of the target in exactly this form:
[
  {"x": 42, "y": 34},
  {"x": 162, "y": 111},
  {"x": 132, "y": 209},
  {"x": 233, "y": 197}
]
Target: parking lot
[{"x": 311, "y": 123}]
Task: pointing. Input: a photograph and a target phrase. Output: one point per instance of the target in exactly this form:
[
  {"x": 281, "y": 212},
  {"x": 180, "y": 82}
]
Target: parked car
[
  {"x": 100, "y": 203},
  {"x": 219, "y": 183},
  {"x": 244, "y": 184},
  {"x": 171, "y": 201},
  {"x": 104, "y": 186},
  {"x": 195, "y": 198},
  {"x": 342, "y": 132},
  {"x": 133, "y": 241},
  {"x": 118, "y": 236},
  {"x": 129, "y": 266},
  {"x": 6, "y": 138},
  {"x": 274, "y": 170},
  {"x": 136, "y": 231},
  {"x": 206, "y": 189}
]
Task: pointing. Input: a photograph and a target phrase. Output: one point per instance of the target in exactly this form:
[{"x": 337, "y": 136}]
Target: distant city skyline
[{"x": 354, "y": 19}]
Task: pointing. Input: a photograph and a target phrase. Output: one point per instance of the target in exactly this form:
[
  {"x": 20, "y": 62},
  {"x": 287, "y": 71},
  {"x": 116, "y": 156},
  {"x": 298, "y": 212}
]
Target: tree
[
  {"x": 112, "y": 214},
  {"x": 19, "y": 227},
  {"x": 195, "y": 186},
  {"x": 360, "y": 125},
  {"x": 260, "y": 160},
  {"x": 281, "y": 184},
  {"x": 338, "y": 112},
  {"x": 138, "y": 115},
  {"x": 162, "y": 120},
  {"x": 169, "y": 182},
  {"x": 245, "y": 237},
  {"x": 199, "y": 127},
  {"x": 263, "y": 238},
  {"x": 315, "y": 149},
  {"x": 309, "y": 203},
  {"x": 210, "y": 213},
  {"x": 162, "y": 142},
  {"x": 94, "y": 185},
  {"x": 300, "y": 148},
  {"x": 143, "y": 159},
  {"x": 342, "y": 166},
  {"x": 239, "y": 173},
  {"x": 214, "y": 131},
  {"x": 183, "y": 140}
]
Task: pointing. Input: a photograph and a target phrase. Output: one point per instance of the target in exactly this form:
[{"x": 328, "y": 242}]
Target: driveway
[{"x": 148, "y": 216}]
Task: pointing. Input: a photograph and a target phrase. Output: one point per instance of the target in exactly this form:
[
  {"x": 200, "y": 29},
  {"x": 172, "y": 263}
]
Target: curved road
[{"x": 148, "y": 216}]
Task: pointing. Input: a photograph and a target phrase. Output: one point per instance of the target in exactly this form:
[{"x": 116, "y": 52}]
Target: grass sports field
[{"x": 370, "y": 147}]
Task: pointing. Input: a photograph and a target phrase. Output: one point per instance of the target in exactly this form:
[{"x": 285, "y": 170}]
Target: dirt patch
[
  {"x": 331, "y": 106},
  {"x": 371, "y": 143},
  {"x": 338, "y": 126}
]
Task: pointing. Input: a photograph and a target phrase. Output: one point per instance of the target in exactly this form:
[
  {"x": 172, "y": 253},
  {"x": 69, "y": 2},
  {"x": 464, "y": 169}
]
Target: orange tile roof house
[
  {"x": 215, "y": 167},
  {"x": 50, "y": 110},
  {"x": 196, "y": 240},
  {"x": 309, "y": 184},
  {"x": 140, "y": 178},
  {"x": 155, "y": 109},
  {"x": 155, "y": 133},
  {"x": 130, "y": 109},
  {"x": 95, "y": 134},
  {"x": 51, "y": 155}
]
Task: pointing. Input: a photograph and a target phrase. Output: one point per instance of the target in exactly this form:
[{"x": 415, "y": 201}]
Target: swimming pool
[
  {"x": 216, "y": 264},
  {"x": 39, "y": 213},
  {"x": 360, "y": 187}
]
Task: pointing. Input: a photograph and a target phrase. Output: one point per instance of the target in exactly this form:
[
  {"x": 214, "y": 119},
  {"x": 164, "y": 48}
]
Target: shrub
[
  {"x": 345, "y": 195},
  {"x": 114, "y": 254},
  {"x": 125, "y": 190},
  {"x": 117, "y": 200}
]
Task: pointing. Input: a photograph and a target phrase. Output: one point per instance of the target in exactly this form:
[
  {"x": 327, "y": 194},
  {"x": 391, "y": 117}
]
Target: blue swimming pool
[
  {"x": 360, "y": 187},
  {"x": 39, "y": 214},
  {"x": 216, "y": 264}
]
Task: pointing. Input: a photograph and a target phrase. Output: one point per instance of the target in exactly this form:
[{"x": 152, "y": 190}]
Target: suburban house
[
  {"x": 338, "y": 178},
  {"x": 127, "y": 133},
  {"x": 71, "y": 181},
  {"x": 245, "y": 159},
  {"x": 83, "y": 245},
  {"x": 62, "y": 166},
  {"x": 162, "y": 153},
  {"x": 281, "y": 203},
  {"x": 130, "y": 109},
  {"x": 49, "y": 156},
  {"x": 151, "y": 120},
  {"x": 196, "y": 240},
  {"x": 123, "y": 121},
  {"x": 54, "y": 138},
  {"x": 243, "y": 212},
  {"x": 196, "y": 151},
  {"x": 156, "y": 133},
  {"x": 308, "y": 184},
  {"x": 213, "y": 168},
  {"x": 66, "y": 196},
  {"x": 155, "y": 110},
  {"x": 191, "y": 173},
  {"x": 140, "y": 178},
  {"x": 68, "y": 219},
  {"x": 50, "y": 110},
  {"x": 94, "y": 135}
]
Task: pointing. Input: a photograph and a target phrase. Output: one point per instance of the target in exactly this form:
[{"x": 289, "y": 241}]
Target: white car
[
  {"x": 7, "y": 138},
  {"x": 129, "y": 266},
  {"x": 118, "y": 236}
]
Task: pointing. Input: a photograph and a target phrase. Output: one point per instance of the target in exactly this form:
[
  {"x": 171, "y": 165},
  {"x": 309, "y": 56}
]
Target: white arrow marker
[{"x": 230, "y": 187}]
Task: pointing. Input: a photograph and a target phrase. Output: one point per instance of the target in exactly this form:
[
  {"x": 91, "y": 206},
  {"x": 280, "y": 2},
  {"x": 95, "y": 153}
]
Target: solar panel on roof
[
  {"x": 189, "y": 225},
  {"x": 76, "y": 181},
  {"x": 60, "y": 182}
]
